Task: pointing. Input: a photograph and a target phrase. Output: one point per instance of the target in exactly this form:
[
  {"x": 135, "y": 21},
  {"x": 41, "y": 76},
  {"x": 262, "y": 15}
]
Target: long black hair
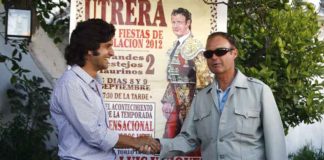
[{"x": 87, "y": 36}]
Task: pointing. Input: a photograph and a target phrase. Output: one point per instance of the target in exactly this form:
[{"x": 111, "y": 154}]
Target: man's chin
[{"x": 104, "y": 67}]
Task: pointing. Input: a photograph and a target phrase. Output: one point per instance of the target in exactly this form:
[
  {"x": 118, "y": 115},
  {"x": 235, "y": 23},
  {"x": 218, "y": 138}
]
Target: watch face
[{"x": 19, "y": 22}]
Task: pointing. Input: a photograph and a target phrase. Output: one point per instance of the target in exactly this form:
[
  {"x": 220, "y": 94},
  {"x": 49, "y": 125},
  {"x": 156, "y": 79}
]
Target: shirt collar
[
  {"x": 220, "y": 90},
  {"x": 240, "y": 81},
  {"x": 84, "y": 75},
  {"x": 183, "y": 38}
]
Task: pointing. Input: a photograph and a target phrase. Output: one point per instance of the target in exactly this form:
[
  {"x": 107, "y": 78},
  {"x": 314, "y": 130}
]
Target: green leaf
[
  {"x": 46, "y": 15},
  {"x": 15, "y": 66},
  {"x": 57, "y": 40},
  {"x": 13, "y": 79},
  {"x": 14, "y": 53},
  {"x": 3, "y": 58}
]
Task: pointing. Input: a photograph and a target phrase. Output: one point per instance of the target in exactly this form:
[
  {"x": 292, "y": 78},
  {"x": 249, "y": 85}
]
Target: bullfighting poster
[{"x": 151, "y": 80}]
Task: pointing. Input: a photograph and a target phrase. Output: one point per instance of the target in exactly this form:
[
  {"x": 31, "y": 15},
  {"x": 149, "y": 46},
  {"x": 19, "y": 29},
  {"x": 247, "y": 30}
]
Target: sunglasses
[{"x": 218, "y": 52}]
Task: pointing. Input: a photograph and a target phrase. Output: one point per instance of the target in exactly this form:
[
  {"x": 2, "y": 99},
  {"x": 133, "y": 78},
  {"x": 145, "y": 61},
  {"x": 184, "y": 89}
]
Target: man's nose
[{"x": 111, "y": 52}]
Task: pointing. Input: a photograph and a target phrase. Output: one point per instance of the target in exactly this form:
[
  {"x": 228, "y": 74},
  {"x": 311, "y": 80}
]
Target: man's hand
[{"x": 146, "y": 144}]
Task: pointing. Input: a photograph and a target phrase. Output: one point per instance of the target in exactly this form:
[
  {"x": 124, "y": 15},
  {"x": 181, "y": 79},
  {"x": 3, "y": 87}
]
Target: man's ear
[
  {"x": 188, "y": 22},
  {"x": 93, "y": 53},
  {"x": 235, "y": 52},
  {"x": 90, "y": 53}
]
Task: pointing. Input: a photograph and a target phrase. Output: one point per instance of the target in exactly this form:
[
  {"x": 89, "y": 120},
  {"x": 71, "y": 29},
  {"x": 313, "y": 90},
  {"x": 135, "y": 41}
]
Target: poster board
[{"x": 136, "y": 79}]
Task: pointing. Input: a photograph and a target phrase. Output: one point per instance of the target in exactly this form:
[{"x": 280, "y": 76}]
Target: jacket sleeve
[
  {"x": 186, "y": 141},
  {"x": 274, "y": 137}
]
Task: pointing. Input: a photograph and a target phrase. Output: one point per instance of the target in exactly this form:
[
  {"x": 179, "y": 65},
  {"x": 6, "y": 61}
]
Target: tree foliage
[
  {"x": 278, "y": 44},
  {"x": 55, "y": 24},
  {"x": 308, "y": 152},
  {"x": 25, "y": 135}
]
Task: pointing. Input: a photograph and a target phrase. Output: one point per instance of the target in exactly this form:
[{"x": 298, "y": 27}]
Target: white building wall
[{"x": 304, "y": 134}]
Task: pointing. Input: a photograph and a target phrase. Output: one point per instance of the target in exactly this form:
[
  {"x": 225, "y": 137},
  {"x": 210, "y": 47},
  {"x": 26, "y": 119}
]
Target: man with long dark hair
[{"x": 77, "y": 105}]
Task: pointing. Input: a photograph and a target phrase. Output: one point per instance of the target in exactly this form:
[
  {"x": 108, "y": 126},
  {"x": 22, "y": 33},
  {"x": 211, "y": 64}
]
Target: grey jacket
[{"x": 249, "y": 128}]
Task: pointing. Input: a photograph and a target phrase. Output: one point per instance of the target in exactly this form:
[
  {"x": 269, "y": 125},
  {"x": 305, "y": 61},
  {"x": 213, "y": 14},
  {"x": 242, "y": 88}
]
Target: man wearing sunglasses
[{"x": 234, "y": 118}]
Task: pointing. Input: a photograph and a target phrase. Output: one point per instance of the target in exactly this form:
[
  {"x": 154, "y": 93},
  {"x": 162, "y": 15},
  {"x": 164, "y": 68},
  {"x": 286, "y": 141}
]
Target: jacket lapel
[{"x": 212, "y": 92}]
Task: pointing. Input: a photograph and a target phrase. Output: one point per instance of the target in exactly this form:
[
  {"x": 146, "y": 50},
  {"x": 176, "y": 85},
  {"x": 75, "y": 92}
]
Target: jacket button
[
  {"x": 221, "y": 156},
  {"x": 221, "y": 140}
]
